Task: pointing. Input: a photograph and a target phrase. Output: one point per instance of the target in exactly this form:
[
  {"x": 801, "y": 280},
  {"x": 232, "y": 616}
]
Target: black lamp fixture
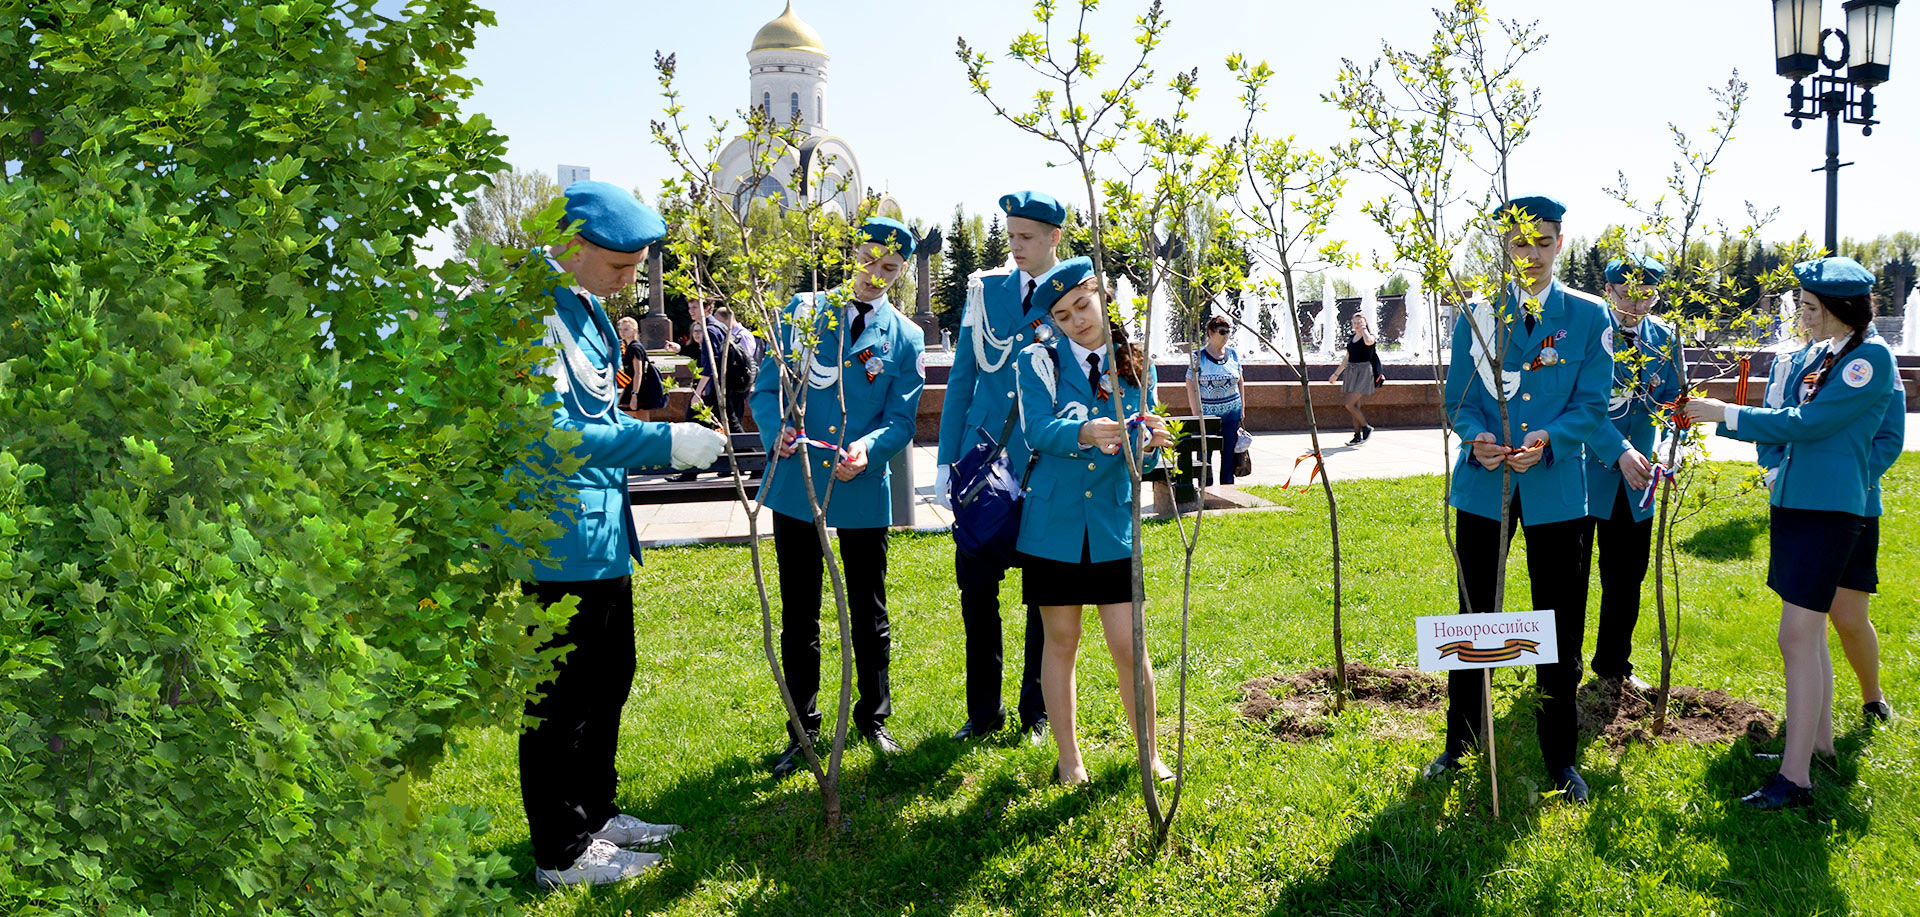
[{"x": 1865, "y": 53}]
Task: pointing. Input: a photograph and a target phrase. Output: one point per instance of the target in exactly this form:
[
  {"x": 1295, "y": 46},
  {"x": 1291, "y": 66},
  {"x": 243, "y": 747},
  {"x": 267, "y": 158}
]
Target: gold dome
[{"x": 788, "y": 33}]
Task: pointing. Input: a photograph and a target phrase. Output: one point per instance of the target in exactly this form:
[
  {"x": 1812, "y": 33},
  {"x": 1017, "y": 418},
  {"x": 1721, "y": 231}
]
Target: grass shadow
[
  {"x": 1725, "y": 541},
  {"x": 741, "y": 823},
  {"x": 1430, "y": 852}
]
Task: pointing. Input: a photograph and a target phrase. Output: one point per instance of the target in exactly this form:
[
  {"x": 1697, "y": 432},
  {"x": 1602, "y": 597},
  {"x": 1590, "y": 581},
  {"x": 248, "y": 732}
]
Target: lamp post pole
[{"x": 1800, "y": 50}]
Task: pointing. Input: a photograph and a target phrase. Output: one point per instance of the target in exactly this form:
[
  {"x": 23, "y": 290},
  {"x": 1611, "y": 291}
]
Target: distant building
[{"x": 787, "y": 79}]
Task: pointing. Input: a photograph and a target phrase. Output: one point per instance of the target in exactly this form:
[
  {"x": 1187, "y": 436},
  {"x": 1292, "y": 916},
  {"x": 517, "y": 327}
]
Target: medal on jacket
[
  {"x": 870, "y": 363},
  {"x": 1548, "y": 356}
]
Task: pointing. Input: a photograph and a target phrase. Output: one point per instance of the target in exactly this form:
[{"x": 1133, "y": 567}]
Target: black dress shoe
[
  {"x": 1441, "y": 765},
  {"x": 882, "y": 740},
  {"x": 1877, "y": 710},
  {"x": 1367, "y": 433},
  {"x": 1569, "y": 782},
  {"x": 1357, "y": 439},
  {"x": 794, "y": 758},
  {"x": 1778, "y": 793},
  {"x": 968, "y": 731},
  {"x": 1036, "y": 731}
]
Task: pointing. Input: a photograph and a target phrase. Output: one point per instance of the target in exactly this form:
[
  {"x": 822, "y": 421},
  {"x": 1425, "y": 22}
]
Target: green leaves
[{"x": 253, "y": 458}]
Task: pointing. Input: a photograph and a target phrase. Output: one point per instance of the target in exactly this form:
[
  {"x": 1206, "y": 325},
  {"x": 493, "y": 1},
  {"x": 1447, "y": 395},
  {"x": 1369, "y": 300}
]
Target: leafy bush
[{"x": 256, "y": 519}]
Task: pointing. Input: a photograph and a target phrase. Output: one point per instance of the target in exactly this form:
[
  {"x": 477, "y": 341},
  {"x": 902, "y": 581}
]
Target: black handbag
[{"x": 649, "y": 389}]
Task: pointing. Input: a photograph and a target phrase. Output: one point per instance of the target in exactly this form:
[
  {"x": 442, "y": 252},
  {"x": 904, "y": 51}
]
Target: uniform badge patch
[{"x": 1858, "y": 373}]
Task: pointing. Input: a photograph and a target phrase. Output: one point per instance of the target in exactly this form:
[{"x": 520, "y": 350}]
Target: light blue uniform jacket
[
  {"x": 1830, "y": 453},
  {"x": 1638, "y": 391},
  {"x": 978, "y": 398},
  {"x": 1076, "y": 496},
  {"x": 880, "y": 411},
  {"x": 1568, "y": 399},
  {"x": 597, "y": 539}
]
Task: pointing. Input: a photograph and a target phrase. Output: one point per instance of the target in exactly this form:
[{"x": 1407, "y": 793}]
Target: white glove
[
  {"x": 695, "y": 446},
  {"x": 1771, "y": 473},
  {"x": 941, "y": 479}
]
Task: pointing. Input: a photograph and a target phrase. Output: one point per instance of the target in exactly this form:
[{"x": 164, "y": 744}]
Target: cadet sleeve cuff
[{"x": 1732, "y": 419}]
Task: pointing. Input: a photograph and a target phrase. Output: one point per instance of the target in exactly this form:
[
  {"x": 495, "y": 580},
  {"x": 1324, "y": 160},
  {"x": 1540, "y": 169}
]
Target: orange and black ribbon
[
  {"x": 1312, "y": 472},
  {"x": 1740, "y": 385},
  {"x": 1465, "y": 651},
  {"x": 865, "y": 357}
]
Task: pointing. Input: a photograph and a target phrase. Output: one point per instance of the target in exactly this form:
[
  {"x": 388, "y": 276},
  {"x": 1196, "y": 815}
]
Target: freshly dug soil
[
  {"x": 1295, "y": 707},
  {"x": 1621, "y": 714}
]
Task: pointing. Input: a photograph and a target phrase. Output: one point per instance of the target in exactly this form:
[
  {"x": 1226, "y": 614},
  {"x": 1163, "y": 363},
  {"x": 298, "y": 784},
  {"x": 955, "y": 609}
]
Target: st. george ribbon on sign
[{"x": 1485, "y": 641}]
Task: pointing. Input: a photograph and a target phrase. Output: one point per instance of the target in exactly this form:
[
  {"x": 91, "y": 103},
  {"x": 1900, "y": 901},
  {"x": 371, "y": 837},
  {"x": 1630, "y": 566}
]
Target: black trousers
[
  {"x": 1623, "y": 546},
  {"x": 1557, "y": 562},
  {"x": 863, "y": 559},
  {"x": 566, "y": 762},
  {"x": 980, "y": 618}
]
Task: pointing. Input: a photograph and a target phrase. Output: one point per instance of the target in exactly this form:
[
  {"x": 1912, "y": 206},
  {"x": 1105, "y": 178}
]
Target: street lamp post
[{"x": 1866, "y": 49}]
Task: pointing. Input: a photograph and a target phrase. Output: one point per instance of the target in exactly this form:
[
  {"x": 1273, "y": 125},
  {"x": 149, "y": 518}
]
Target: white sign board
[
  {"x": 570, "y": 174},
  {"x": 1485, "y": 641}
]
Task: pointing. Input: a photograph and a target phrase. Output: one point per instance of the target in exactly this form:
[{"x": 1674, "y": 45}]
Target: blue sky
[{"x": 575, "y": 84}]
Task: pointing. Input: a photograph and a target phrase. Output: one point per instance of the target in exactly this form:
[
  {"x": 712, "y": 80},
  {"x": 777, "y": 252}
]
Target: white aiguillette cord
[
  {"x": 975, "y": 317},
  {"x": 600, "y": 384}
]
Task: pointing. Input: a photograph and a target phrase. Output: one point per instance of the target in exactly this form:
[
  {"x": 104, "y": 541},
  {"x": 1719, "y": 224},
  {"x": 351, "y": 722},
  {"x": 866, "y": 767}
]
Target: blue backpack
[{"x": 986, "y": 496}]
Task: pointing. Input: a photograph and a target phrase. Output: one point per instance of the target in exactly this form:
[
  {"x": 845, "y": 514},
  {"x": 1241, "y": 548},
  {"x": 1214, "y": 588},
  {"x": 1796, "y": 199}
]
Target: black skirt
[
  {"x": 1054, "y": 582},
  {"x": 1812, "y": 553}
]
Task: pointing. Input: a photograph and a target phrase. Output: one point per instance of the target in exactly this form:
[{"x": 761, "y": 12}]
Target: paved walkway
[{"x": 1389, "y": 454}]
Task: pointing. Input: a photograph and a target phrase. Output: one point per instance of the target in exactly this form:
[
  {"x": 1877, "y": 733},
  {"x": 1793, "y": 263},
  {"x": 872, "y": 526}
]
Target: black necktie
[
  {"x": 1631, "y": 336},
  {"x": 1530, "y": 322},
  {"x": 860, "y": 321},
  {"x": 1093, "y": 373},
  {"x": 1026, "y": 302}
]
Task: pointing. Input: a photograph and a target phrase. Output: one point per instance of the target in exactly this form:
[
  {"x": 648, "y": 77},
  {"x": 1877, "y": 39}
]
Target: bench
[
  {"x": 1184, "y": 471},
  {"x": 711, "y": 484}
]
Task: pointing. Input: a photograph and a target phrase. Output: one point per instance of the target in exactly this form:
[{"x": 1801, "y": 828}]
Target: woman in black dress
[{"x": 1359, "y": 374}]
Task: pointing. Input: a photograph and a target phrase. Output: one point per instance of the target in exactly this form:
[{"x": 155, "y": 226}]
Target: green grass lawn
[{"x": 1336, "y": 825}]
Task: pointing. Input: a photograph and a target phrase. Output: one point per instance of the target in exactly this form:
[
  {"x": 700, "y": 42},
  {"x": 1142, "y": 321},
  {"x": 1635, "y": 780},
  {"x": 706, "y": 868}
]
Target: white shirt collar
[{"x": 1080, "y": 354}]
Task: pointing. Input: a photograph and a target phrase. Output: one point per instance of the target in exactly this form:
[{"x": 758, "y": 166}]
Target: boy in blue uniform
[
  {"x": 999, "y": 320},
  {"x": 1649, "y": 370},
  {"x": 1824, "y": 536},
  {"x": 1076, "y": 527},
  {"x": 1556, "y": 373},
  {"x": 566, "y": 763},
  {"x": 861, "y": 370}
]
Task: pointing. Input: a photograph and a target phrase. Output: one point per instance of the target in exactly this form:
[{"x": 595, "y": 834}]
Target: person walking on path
[
  {"x": 567, "y": 775},
  {"x": 1359, "y": 373},
  {"x": 1217, "y": 387},
  {"x": 1825, "y": 502},
  {"x": 1076, "y": 531}
]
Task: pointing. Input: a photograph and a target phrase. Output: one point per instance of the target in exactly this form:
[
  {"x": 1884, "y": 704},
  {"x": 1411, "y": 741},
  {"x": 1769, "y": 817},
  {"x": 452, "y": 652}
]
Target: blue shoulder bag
[{"x": 986, "y": 496}]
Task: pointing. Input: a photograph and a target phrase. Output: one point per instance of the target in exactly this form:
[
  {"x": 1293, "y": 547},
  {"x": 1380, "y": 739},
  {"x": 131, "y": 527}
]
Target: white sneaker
[
  {"x": 626, "y": 831},
  {"x": 600, "y": 864}
]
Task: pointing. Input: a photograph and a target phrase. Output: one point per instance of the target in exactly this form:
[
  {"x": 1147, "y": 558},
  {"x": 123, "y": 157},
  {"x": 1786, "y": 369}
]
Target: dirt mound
[
  {"x": 1622, "y": 713},
  {"x": 1295, "y": 707}
]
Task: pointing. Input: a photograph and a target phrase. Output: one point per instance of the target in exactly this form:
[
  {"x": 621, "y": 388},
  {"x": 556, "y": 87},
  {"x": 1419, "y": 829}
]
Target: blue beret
[
  {"x": 1055, "y": 283},
  {"x": 1838, "y": 277},
  {"x": 890, "y": 233},
  {"x": 612, "y": 218},
  {"x": 1033, "y": 205},
  {"x": 1638, "y": 268},
  {"x": 1539, "y": 207}
]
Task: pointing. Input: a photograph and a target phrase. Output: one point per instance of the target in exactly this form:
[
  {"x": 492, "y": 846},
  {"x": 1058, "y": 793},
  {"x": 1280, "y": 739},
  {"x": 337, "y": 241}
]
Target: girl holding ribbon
[
  {"x": 1076, "y": 528},
  {"x": 1835, "y": 442}
]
